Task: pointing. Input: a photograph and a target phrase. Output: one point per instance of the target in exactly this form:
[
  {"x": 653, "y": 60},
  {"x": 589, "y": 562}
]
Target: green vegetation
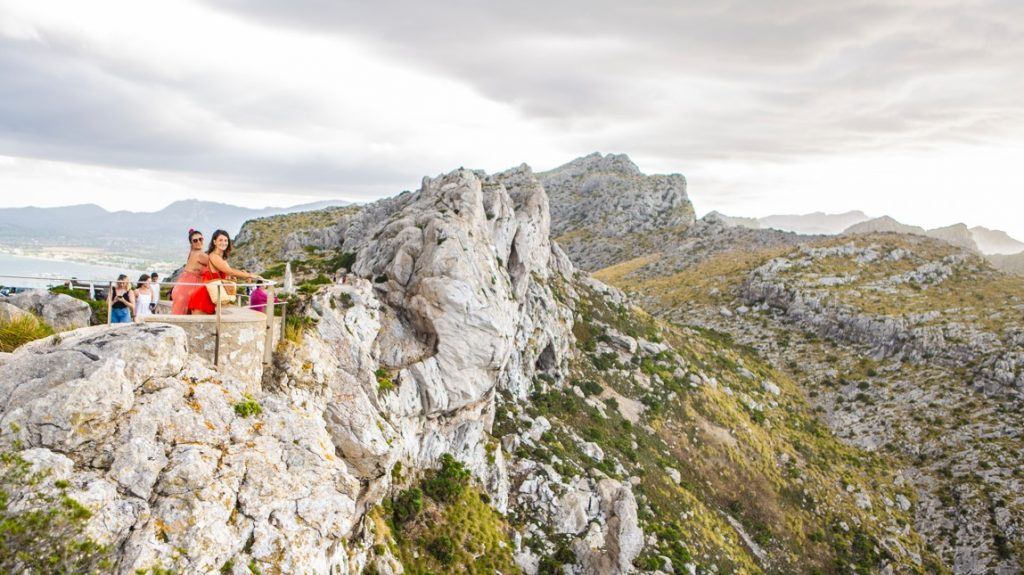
[
  {"x": 295, "y": 325},
  {"x": 763, "y": 460},
  {"x": 248, "y": 407},
  {"x": 21, "y": 330},
  {"x": 407, "y": 505},
  {"x": 41, "y": 526},
  {"x": 310, "y": 287},
  {"x": 384, "y": 381},
  {"x": 263, "y": 239},
  {"x": 451, "y": 530},
  {"x": 447, "y": 484}
]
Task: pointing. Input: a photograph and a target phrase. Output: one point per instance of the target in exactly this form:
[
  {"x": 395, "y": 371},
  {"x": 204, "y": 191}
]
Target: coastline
[{"x": 89, "y": 257}]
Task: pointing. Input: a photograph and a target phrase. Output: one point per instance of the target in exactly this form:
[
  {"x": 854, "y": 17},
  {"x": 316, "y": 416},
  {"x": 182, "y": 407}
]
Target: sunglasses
[{"x": 197, "y": 240}]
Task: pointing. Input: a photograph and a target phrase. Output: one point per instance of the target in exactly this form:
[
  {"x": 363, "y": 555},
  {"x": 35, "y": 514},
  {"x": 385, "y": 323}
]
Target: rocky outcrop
[
  {"x": 10, "y": 312},
  {"x": 598, "y": 201},
  {"x": 809, "y": 305},
  {"x": 451, "y": 303},
  {"x": 61, "y": 312}
]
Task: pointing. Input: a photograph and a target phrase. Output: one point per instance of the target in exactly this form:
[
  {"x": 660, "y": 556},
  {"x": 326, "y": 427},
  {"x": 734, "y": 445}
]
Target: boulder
[
  {"x": 61, "y": 312},
  {"x": 10, "y": 312}
]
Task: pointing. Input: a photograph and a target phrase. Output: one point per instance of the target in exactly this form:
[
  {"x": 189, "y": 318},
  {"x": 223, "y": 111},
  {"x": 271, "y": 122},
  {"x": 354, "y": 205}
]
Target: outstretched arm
[{"x": 221, "y": 265}]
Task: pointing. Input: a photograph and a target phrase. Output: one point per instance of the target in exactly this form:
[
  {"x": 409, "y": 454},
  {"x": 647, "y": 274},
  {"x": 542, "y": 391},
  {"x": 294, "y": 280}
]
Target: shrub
[
  {"x": 407, "y": 505},
  {"x": 21, "y": 330},
  {"x": 295, "y": 325},
  {"x": 248, "y": 407},
  {"x": 311, "y": 286},
  {"x": 384, "y": 381},
  {"x": 448, "y": 482},
  {"x": 590, "y": 387},
  {"x": 45, "y": 533},
  {"x": 443, "y": 549}
]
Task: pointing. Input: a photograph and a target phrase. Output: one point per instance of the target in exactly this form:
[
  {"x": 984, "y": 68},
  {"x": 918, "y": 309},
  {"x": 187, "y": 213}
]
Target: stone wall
[{"x": 242, "y": 339}]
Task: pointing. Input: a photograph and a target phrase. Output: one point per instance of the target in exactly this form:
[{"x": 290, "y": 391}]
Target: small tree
[{"x": 41, "y": 528}]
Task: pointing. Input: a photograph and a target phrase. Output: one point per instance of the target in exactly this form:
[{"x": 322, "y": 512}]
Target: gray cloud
[
  {"x": 675, "y": 83},
  {"x": 698, "y": 80},
  {"x": 62, "y": 101}
]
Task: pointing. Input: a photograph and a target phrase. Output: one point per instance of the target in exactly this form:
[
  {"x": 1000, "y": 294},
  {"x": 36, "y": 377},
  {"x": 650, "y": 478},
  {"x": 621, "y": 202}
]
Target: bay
[{"x": 47, "y": 273}]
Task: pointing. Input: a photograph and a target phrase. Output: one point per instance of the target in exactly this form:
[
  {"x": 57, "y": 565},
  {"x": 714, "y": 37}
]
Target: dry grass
[{"x": 19, "y": 331}]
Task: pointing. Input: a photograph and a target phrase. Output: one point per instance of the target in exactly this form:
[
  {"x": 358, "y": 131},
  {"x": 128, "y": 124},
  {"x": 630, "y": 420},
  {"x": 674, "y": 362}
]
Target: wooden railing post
[
  {"x": 110, "y": 300},
  {"x": 268, "y": 345},
  {"x": 216, "y": 339}
]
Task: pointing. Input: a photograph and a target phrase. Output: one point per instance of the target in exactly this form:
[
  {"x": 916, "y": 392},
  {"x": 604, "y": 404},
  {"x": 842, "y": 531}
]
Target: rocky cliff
[
  {"x": 601, "y": 206},
  {"x": 462, "y": 400}
]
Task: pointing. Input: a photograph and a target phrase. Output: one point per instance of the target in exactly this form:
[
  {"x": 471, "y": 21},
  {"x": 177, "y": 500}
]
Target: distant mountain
[
  {"x": 813, "y": 224},
  {"x": 996, "y": 241},
  {"x": 978, "y": 239},
  {"x": 733, "y": 221},
  {"x": 957, "y": 234},
  {"x": 1009, "y": 263},
  {"x": 884, "y": 224},
  {"x": 153, "y": 235}
]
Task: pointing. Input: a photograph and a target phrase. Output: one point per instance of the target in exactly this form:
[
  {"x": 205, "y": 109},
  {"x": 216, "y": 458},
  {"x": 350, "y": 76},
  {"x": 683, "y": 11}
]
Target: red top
[{"x": 200, "y": 299}]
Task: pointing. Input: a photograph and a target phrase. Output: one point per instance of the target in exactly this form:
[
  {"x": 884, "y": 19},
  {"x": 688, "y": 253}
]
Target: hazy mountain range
[
  {"x": 152, "y": 235},
  {"x": 979, "y": 239}
]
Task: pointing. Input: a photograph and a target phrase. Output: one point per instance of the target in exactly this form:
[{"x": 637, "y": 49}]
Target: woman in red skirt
[{"x": 218, "y": 268}]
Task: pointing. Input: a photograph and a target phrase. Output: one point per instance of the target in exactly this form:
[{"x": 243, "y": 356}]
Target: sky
[{"x": 909, "y": 108}]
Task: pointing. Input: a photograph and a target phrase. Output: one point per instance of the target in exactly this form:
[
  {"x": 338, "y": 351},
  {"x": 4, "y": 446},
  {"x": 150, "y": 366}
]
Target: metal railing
[{"x": 269, "y": 307}]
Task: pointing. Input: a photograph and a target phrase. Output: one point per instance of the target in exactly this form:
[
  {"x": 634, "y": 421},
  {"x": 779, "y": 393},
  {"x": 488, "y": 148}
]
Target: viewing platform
[
  {"x": 237, "y": 340},
  {"x": 243, "y": 338}
]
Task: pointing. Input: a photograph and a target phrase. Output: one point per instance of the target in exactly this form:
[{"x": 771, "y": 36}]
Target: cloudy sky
[{"x": 910, "y": 108}]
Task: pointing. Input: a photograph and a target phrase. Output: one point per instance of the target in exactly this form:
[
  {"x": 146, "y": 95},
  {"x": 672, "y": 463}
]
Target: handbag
[{"x": 226, "y": 293}]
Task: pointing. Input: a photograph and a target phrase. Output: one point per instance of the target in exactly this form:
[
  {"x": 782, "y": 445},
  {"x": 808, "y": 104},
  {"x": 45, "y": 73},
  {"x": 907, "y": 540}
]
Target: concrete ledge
[{"x": 228, "y": 314}]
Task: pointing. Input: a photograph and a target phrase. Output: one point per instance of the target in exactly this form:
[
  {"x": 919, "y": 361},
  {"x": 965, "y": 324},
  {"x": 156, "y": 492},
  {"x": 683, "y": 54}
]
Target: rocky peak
[
  {"x": 595, "y": 162},
  {"x": 597, "y": 201}
]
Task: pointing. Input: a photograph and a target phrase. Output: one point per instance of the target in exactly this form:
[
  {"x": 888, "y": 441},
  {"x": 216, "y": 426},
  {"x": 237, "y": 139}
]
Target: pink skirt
[{"x": 182, "y": 293}]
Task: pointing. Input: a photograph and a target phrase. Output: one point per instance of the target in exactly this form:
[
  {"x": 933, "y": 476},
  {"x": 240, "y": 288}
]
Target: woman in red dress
[
  {"x": 191, "y": 276},
  {"x": 217, "y": 268}
]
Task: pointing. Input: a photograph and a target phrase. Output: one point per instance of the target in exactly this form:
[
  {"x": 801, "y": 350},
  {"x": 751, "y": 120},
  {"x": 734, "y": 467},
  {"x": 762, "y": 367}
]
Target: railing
[{"x": 269, "y": 307}]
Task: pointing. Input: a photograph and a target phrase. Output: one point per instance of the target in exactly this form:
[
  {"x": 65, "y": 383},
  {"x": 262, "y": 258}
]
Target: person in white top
[
  {"x": 154, "y": 284},
  {"x": 143, "y": 297}
]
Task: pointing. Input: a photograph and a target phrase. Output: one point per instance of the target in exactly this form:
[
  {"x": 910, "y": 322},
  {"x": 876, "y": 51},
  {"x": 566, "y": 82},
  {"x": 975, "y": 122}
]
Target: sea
[{"x": 47, "y": 273}]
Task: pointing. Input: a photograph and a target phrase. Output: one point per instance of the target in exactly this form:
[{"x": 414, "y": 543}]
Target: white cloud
[{"x": 890, "y": 107}]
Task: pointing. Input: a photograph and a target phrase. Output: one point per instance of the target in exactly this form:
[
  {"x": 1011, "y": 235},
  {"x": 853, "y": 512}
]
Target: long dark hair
[{"x": 214, "y": 237}]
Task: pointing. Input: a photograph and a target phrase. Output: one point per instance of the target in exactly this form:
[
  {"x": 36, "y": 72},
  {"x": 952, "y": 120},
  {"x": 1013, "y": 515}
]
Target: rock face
[
  {"x": 59, "y": 311},
  {"x": 604, "y": 199},
  {"x": 451, "y": 299},
  {"x": 10, "y": 312},
  {"x": 149, "y": 439},
  {"x": 914, "y": 337}
]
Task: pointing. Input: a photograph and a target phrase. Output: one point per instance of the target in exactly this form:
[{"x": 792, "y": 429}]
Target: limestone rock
[
  {"x": 9, "y": 312},
  {"x": 59, "y": 311}
]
